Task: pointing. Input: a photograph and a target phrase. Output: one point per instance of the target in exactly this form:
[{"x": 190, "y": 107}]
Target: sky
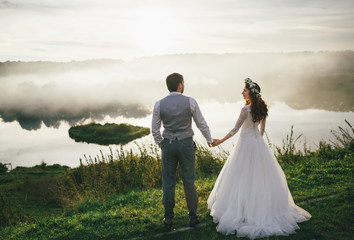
[{"x": 65, "y": 30}]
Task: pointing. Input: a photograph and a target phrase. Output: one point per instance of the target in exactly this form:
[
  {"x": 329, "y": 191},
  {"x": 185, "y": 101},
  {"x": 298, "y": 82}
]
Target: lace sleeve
[
  {"x": 240, "y": 120},
  {"x": 262, "y": 126}
]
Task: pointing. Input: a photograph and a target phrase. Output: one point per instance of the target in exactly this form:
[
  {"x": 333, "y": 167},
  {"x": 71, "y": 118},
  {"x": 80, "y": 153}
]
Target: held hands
[
  {"x": 215, "y": 143},
  {"x": 211, "y": 144}
]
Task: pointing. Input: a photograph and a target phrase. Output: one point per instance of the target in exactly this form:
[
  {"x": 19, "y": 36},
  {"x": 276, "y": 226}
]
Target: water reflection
[{"x": 28, "y": 148}]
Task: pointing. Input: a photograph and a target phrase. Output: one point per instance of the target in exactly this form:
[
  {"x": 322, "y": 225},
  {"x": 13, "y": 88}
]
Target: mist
[
  {"x": 67, "y": 95},
  {"x": 36, "y": 93}
]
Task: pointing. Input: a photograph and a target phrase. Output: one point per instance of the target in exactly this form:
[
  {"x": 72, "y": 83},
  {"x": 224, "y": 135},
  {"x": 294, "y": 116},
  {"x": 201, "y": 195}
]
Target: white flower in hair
[
  {"x": 248, "y": 80},
  {"x": 252, "y": 87}
]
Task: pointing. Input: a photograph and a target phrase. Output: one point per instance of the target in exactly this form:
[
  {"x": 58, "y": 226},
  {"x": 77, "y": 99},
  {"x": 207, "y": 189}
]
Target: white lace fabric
[
  {"x": 251, "y": 196},
  {"x": 249, "y": 127}
]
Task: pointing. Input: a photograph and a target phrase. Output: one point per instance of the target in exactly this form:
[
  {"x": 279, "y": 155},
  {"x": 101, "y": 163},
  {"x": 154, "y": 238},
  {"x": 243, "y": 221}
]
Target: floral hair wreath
[{"x": 252, "y": 87}]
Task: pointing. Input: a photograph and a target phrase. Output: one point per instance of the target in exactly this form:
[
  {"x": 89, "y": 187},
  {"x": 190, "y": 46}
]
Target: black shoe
[
  {"x": 194, "y": 223},
  {"x": 167, "y": 223}
]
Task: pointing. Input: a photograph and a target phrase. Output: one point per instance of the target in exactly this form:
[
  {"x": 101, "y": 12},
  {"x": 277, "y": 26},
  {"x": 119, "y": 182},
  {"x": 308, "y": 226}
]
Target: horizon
[{"x": 181, "y": 54}]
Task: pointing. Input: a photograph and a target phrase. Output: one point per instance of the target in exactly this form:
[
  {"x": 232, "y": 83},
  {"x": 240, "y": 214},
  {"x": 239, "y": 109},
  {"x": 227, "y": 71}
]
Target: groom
[{"x": 175, "y": 112}]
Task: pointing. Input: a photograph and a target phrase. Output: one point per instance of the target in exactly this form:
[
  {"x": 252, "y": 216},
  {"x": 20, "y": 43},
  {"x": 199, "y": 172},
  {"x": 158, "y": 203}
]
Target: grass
[
  {"x": 332, "y": 219},
  {"x": 27, "y": 194},
  {"x": 138, "y": 213},
  {"x": 95, "y": 208}
]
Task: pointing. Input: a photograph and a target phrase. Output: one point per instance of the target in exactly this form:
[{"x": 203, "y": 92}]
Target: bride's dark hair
[{"x": 259, "y": 109}]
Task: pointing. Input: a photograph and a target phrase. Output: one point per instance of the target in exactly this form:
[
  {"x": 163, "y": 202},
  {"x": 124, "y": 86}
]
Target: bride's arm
[
  {"x": 219, "y": 141},
  {"x": 262, "y": 126},
  {"x": 238, "y": 125}
]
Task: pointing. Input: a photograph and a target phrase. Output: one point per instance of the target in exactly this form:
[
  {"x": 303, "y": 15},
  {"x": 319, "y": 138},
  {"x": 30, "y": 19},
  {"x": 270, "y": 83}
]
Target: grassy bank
[{"x": 118, "y": 196}]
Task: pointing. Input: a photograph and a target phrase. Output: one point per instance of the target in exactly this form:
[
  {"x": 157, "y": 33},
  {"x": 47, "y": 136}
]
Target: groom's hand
[{"x": 213, "y": 143}]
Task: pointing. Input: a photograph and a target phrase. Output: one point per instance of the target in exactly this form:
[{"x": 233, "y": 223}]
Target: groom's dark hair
[{"x": 173, "y": 80}]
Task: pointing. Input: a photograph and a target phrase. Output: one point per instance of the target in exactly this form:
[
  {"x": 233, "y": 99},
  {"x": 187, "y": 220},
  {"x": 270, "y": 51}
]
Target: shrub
[
  {"x": 3, "y": 168},
  {"x": 43, "y": 165}
]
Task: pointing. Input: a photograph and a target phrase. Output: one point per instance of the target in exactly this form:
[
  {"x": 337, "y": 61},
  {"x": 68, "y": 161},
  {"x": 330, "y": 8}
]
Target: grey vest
[{"x": 176, "y": 116}]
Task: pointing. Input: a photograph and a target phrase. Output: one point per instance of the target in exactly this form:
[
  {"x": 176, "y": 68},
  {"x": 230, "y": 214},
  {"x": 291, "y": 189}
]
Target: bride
[{"x": 251, "y": 195}]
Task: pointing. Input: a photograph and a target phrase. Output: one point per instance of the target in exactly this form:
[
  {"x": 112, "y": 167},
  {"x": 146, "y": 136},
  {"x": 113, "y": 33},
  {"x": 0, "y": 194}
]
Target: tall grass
[
  {"x": 115, "y": 172},
  {"x": 122, "y": 170},
  {"x": 209, "y": 162},
  {"x": 343, "y": 136},
  {"x": 290, "y": 153}
]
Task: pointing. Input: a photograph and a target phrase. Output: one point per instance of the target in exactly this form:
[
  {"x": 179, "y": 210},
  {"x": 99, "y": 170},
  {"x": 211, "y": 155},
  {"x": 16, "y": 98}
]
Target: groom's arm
[
  {"x": 156, "y": 124},
  {"x": 200, "y": 121}
]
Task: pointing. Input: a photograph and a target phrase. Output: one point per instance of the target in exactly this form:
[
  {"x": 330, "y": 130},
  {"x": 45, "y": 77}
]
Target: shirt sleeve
[
  {"x": 240, "y": 121},
  {"x": 200, "y": 121},
  {"x": 156, "y": 124},
  {"x": 262, "y": 126}
]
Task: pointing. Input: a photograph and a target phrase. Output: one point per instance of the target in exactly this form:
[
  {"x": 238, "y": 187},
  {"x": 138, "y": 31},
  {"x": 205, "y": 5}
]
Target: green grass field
[
  {"x": 46, "y": 202},
  {"x": 138, "y": 214}
]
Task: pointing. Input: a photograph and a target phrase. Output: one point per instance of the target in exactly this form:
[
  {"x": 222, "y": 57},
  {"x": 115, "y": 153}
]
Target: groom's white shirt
[{"x": 197, "y": 117}]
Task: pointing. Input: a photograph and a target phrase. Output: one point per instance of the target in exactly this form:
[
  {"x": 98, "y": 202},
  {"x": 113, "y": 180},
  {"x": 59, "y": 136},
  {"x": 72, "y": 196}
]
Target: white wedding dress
[{"x": 251, "y": 195}]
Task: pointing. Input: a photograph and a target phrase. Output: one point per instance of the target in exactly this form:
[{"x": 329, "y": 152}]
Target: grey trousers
[{"x": 182, "y": 152}]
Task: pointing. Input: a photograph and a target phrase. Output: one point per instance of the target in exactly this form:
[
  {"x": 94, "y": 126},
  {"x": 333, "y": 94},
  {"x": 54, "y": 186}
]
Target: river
[{"x": 22, "y": 147}]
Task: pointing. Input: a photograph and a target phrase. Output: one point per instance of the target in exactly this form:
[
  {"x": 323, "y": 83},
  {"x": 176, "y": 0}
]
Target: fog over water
[{"x": 39, "y": 101}]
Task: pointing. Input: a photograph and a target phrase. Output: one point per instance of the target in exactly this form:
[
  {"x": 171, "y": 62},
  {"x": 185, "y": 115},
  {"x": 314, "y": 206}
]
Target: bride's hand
[{"x": 216, "y": 142}]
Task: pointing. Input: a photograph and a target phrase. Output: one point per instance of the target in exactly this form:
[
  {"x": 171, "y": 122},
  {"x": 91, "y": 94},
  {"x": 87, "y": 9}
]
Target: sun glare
[{"x": 154, "y": 30}]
